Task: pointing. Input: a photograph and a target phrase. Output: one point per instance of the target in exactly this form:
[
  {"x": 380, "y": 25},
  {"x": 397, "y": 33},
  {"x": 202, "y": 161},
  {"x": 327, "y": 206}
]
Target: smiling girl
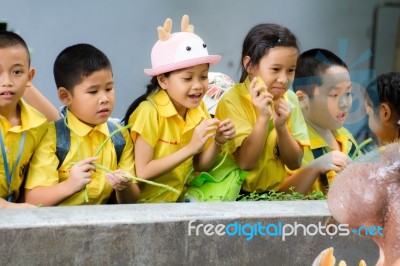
[
  {"x": 171, "y": 127},
  {"x": 270, "y": 128}
]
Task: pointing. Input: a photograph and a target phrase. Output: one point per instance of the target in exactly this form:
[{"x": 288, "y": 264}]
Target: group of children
[{"x": 283, "y": 138}]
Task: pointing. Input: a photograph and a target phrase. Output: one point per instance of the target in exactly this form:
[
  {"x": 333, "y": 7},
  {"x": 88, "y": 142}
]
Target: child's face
[
  {"x": 186, "y": 87},
  {"x": 331, "y": 102},
  {"x": 277, "y": 68},
  {"x": 15, "y": 76},
  {"x": 92, "y": 101}
]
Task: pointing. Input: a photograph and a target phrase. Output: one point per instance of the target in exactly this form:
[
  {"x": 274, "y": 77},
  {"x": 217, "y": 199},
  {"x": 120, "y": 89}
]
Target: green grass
[{"x": 273, "y": 195}]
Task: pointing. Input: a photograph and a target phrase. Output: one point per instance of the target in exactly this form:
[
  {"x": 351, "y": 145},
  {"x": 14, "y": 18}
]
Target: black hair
[
  {"x": 152, "y": 87},
  {"x": 77, "y": 62},
  {"x": 10, "y": 39},
  {"x": 260, "y": 39},
  {"x": 311, "y": 65},
  {"x": 385, "y": 89}
]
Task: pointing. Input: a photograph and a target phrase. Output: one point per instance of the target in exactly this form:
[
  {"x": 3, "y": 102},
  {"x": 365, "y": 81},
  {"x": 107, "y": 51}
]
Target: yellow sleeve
[
  {"x": 296, "y": 124},
  {"x": 144, "y": 121},
  {"x": 43, "y": 165},
  {"x": 229, "y": 107}
]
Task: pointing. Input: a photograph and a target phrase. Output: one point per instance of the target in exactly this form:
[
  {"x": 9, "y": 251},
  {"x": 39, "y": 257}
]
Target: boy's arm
[
  {"x": 36, "y": 99},
  {"x": 303, "y": 180},
  {"x": 128, "y": 195},
  {"x": 80, "y": 175},
  {"x": 11, "y": 205}
]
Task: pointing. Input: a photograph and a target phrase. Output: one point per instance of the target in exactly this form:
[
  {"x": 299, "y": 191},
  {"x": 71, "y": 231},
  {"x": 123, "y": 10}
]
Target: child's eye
[
  {"x": 204, "y": 77},
  {"x": 275, "y": 69},
  {"x": 187, "y": 79},
  {"x": 349, "y": 94},
  {"x": 92, "y": 92},
  {"x": 18, "y": 72},
  {"x": 291, "y": 70},
  {"x": 109, "y": 89},
  {"x": 333, "y": 95}
]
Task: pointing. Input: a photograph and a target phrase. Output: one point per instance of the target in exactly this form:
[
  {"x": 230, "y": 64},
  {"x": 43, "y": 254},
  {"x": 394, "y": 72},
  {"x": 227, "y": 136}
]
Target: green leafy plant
[{"x": 280, "y": 196}]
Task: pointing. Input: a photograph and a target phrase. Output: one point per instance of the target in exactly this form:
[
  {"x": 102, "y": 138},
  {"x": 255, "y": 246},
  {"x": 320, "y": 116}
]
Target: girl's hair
[
  {"x": 260, "y": 39},
  {"x": 152, "y": 87},
  {"x": 385, "y": 89}
]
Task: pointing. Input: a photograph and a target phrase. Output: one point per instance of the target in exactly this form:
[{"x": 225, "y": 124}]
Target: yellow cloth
[
  {"x": 158, "y": 123},
  {"x": 85, "y": 141},
  {"x": 35, "y": 126},
  {"x": 346, "y": 142},
  {"x": 269, "y": 171}
]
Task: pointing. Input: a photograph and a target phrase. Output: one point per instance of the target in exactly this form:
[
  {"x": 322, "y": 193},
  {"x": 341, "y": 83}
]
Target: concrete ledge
[{"x": 157, "y": 234}]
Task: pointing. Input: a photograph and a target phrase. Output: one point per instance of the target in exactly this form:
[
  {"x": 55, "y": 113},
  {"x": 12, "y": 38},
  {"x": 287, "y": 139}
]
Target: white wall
[{"x": 126, "y": 31}]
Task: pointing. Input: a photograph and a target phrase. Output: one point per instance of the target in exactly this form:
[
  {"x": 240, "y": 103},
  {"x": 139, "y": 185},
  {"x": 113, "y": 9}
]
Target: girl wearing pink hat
[{"x": 171, "y": 127}]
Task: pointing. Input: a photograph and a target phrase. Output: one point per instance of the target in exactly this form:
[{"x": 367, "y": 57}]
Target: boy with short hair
[
  {"x": 22, "y": 127},
  {"x": 85, "y": 85},
  {"x": 322, "y": 85}
]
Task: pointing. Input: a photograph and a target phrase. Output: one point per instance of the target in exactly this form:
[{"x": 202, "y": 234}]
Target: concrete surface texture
[{"x": 165, "y": 234}]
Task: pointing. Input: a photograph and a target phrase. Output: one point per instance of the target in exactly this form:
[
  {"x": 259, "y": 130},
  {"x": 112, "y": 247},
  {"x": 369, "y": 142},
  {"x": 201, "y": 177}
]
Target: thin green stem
[
  {"x": 362, "y": 145},
  {"x": 110, "y": 136},
  {"x": 105, "y": 169}
]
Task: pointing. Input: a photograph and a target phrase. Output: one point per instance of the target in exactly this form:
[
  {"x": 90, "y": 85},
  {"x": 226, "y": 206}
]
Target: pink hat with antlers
[{"x": 178, "y": 50}]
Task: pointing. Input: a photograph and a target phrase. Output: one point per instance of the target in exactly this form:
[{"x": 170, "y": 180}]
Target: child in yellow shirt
[
  {"x": 323, "y": 86},
  {"x": 171, "y": 127},
  {"x": 85, "y": 85},
  {"x": 270, "y": 128},
  {"x": 22, "y": 127}
]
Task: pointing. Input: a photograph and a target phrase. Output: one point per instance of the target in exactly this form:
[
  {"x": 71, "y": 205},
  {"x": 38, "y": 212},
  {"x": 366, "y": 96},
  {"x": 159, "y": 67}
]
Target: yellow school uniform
[
  {"x": 85, "y": 140},
  {"x": 159, "y": 124},
  {"x": 319, "y": 146},
  {"x": 269, "y": 171},
  {"x": 34, "y": 124}
]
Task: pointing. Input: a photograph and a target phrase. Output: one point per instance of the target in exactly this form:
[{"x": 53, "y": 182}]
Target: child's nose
[
  {"x": 344, "y": 102},
  {"x": 283, "y": 78},
  {"x": 103, "y": 99},
  {"x": 5, "y": 80}
]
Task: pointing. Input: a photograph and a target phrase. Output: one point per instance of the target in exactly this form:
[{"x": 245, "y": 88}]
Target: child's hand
[
  {"x": 117, "y": 181},
  {"x": 261, "y": 99},
  {"x": 331, "y": 161},
  {"x": 80, "y": 174},
  {"x": 225, "y": 131},
  {"x": 281, "y": 114},
  {"x": 202, "y": 133}
]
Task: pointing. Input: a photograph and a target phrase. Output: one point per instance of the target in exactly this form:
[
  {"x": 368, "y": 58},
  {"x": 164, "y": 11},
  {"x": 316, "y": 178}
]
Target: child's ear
[
  {"x": 385, "y": 112},
  {"x": 64, "y": 95},
  {"x": 31, "y": 74},
  {"x": 304, "y": 100},
  {"x": 162, "y": 81},
  {"x": 246, "y": 65}
]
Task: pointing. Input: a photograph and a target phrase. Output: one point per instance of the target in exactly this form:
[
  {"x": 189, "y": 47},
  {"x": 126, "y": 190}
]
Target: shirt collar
[
  {"x": 166, "y": 108},
  {"x": 30, "y": 118}
]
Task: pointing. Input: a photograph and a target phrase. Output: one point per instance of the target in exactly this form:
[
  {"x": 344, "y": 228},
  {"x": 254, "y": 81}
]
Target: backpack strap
[
  {"x": 64, "y": 140},
  {"x": 117, "y": 139},
  {"x": 323, "y": 177}
]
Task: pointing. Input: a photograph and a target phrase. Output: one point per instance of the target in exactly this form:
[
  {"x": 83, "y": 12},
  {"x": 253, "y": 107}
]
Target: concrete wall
[
  {"x": 126, "y": 31},
  {"x": 157, "y": 234}
]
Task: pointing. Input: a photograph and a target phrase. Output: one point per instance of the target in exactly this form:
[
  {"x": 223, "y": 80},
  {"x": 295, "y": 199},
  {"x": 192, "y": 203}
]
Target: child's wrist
[{"x": 219, "y": 144}]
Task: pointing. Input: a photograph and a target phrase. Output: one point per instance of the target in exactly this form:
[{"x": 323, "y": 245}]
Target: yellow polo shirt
[
  {"x": 85, "y": 140},
  {"x": 35, "y": 126},
  {"x": 159, "y": 124},
  {"x": 346, "y": 142},
  {"x": 269, "y": 171}
]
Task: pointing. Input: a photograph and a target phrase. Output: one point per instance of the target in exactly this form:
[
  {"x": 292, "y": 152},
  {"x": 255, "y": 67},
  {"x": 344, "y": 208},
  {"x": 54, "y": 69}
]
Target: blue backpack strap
[
  {"x": 118, "y": 140},
  {"x": 63, "y": 141}
]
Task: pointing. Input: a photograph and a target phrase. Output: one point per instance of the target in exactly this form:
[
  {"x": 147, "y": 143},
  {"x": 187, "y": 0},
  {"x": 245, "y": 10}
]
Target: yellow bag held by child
[{"x": 222, "y": 183}]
